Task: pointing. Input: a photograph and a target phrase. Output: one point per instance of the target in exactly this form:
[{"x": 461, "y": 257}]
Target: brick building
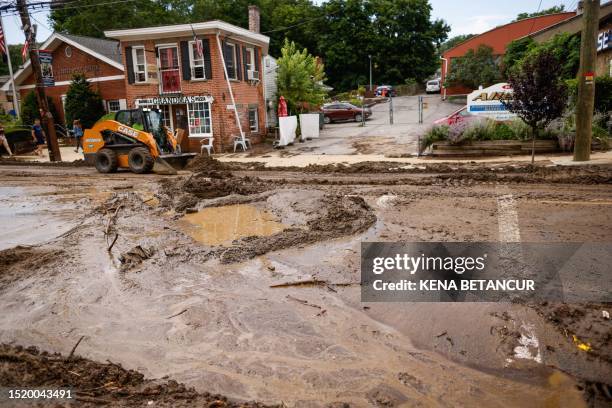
[
  {"x": 99, "y": 60},
  {"x": 498, "y": 39},
  {"x": 164, "y": 70},
  {"x": 603, "y": 65}
]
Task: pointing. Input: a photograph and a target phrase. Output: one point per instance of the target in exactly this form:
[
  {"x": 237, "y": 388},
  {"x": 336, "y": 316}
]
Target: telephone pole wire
[
  {"x": 46, "y": 116},
  {"x": 586, "y": 81}
]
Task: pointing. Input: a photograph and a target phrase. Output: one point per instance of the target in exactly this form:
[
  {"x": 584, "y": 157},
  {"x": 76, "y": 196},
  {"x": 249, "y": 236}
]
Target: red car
[
  {"x": 460, "y": 115},
  {"x": 340, "y": 111}
]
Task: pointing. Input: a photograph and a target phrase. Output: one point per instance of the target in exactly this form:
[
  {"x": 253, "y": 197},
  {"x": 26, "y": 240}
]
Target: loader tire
[
  {"x": 140, "y": 160},
  {"x": 106, "y": 161}
]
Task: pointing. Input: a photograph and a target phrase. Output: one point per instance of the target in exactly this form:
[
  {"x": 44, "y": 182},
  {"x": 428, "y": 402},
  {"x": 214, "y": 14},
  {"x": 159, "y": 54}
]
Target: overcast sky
[{"x": 464, "y": 17}]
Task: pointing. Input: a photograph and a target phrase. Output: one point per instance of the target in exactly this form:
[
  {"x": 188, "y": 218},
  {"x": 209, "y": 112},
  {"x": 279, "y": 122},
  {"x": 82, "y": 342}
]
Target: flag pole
[{"x": 10, "y": 67}]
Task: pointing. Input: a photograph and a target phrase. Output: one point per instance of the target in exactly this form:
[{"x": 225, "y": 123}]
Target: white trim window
[
  {"x": 140, "y": 64},
  {"x": 198, "y": 115},
  {"x": 230, "y": 63},
  {"x": 250, "y": 62},
  {"x": 253, "y": 120},
  {"x": 113, "y": 105},
  {"x": 198, "y": 69}
]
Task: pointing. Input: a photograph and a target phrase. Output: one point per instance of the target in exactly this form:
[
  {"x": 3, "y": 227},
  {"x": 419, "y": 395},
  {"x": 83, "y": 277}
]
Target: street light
[{"x": 370, "y": 57}]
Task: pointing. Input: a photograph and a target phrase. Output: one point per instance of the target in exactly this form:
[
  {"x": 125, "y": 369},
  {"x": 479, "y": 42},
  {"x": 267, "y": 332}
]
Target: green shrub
[
  {"x": 521, "y": 130},
  {"x": 433, "y": 135},
  {"x": 503, "y": 132}
]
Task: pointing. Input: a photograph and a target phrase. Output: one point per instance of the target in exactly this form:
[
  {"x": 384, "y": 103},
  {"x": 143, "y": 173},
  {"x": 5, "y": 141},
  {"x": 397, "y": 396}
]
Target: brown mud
[
  {"x": 99, "y": 384},
  {"x": 279, "y": 318}
]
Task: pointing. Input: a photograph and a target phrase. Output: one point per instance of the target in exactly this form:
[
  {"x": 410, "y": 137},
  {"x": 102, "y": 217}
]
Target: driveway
[{"x": 379, "y": 136}]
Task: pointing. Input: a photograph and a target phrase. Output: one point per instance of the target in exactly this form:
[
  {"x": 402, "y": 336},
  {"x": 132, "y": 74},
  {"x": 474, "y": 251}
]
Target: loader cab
[{"x": 147, "y": 120}]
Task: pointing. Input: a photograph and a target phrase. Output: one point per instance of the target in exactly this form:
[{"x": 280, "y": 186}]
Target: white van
[{"x": 433, "y": 86}]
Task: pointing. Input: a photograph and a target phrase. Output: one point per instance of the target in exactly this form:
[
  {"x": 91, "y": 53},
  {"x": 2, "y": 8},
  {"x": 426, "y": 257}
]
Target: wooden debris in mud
[{"x": 75, "y": 347}]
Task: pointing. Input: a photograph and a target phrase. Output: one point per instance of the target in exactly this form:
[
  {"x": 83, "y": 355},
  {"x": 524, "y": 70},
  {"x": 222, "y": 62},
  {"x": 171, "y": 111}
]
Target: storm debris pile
[{"x": 97, "y": 384}]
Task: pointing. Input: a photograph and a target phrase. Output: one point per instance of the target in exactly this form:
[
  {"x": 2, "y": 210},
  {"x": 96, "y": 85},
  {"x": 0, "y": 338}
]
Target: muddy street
[{"x": 244, "y": 281}]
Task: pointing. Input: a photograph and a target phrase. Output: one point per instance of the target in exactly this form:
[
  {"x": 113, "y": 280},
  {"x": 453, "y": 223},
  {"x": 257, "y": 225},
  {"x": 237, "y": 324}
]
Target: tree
[
  {"x": 515, "y": 52},
  {"x": 299, "y": 78},
  {"x": 399, "y": 34},
  {"x": 82, "y": 102},
  {"x": 539, "y": 96},
  {"x": 552, "y": 10},
  {"x": 564, "y": 46},
  {"x": 16, "y": 61},
  {"x": 475, "y": 68},
  {"x": 31, "y": 111},
  {"x": 452, "y": 42}
]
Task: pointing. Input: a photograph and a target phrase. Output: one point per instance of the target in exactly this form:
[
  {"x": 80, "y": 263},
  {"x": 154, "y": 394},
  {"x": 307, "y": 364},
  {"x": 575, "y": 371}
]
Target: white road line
[{"x": 508, "y": 219}]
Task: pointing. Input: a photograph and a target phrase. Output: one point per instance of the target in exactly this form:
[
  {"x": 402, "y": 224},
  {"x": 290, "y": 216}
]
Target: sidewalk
[
  {"x": 280, "y": 158},
  {"x": 302, "y": 160}
]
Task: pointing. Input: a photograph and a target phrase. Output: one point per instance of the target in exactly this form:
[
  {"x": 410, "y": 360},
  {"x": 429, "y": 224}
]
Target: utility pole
[
  {"x": 586, "y": 81},
  {"x": 370, "y": 57},
  {"x": 46, "y": 116}
]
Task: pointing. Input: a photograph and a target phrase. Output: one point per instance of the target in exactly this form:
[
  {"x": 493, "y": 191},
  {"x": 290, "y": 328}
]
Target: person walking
[
  {"x": 4, "y": 141},
  {"x": 38, "y": 134},
  {"x": 77, "y": 131}
]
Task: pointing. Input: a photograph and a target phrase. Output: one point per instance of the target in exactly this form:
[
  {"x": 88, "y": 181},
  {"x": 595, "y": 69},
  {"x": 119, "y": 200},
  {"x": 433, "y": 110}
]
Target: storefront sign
[
  {"x": 46, "y": 59},
  {"x": 173, "y": 100},
  {"x": 604, "y": 41},
  {"x": 489, "y": 102}
]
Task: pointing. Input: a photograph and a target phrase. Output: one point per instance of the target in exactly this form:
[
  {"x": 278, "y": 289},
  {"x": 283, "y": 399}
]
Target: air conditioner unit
[{"x": 253, "y": 75}]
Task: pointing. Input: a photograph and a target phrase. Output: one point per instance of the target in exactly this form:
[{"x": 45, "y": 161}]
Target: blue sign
[{"x": 46, "y": 59}]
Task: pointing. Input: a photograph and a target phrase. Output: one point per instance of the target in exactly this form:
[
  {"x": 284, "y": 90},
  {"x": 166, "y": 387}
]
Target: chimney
[
  {"x": 254, "y": 19},
  {"x": 580, "y": 8}
]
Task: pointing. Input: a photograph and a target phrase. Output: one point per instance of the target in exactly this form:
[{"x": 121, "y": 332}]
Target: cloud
[{"x": 480, "y": 24}]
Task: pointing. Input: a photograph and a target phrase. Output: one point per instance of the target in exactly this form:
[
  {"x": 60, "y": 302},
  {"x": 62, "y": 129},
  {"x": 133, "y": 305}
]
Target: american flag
[
  {"x": 198, "y": 44},
  {"x": 26, "y": 48},
  {"x": 2, "y": 41}
]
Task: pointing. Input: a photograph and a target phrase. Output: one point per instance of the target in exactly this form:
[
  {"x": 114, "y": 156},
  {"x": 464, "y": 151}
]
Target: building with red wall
[
  {"x": 498, "y": 39},
  {"x": 99, "y": 60},
  {"x": 165, "y": 71}
]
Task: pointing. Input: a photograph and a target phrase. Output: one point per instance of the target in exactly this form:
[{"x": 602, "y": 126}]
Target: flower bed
[{"x": 481, "y": 136}]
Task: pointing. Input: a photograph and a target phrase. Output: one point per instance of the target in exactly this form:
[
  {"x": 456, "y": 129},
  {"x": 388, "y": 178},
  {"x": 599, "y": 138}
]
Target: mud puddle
[{"x": 222, "y": 225}]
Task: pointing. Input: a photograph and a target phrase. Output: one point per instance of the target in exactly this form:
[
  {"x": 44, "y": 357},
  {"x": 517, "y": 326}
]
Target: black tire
[
  {"x": 358, "y": 117},
  {"x": 106, "y": 161},
  {"x": 140, "y": 160},
  {"x": 327, "y": 120}
]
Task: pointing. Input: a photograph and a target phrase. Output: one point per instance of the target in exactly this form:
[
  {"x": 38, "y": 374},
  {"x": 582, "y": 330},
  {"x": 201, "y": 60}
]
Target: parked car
[
  {"x": 433, "y": 86},
  {"x": 339, "y": 111},
  {"x": 390, "y": 91},
  {"x": 460, "y": 115}
]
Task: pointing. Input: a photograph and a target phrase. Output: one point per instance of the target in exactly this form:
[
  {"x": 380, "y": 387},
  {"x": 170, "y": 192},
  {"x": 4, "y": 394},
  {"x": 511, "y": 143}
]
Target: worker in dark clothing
[{"x": 38, "y": 134}]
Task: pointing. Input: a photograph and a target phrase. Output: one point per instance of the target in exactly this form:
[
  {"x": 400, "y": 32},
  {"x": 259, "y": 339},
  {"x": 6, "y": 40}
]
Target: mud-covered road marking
[{"x": 507, "y": 216}]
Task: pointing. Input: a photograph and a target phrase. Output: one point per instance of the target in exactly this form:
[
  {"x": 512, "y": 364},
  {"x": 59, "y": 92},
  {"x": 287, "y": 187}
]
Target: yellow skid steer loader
[{"x": 135, "y": 140}]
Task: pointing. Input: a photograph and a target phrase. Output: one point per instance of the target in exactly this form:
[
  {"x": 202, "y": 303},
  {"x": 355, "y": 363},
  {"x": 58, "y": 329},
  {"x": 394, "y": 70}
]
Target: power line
[
  {"x": 68, "y": 5},
  {"x": 535, "y": 18}
]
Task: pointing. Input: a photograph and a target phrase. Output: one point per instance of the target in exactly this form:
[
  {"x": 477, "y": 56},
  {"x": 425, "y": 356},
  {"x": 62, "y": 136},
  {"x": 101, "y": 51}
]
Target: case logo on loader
[{"x": 128, "y": 131}]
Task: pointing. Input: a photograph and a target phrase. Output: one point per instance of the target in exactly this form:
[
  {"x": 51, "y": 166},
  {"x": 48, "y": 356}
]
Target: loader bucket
[{"x": 170, "y": 163}]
